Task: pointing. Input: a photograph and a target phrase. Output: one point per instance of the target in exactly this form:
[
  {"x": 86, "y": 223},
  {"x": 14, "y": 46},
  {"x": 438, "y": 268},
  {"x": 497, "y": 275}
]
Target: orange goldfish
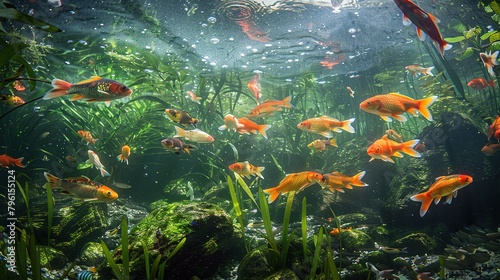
[
  {"x": 86, "y": 136},
  {"x": 191, "y": 95},
  {"x": 416, "y": 69},
  {"x": 82, "y": 188},
  {"x": 6, "y": 161},
  {"x": 443, "y": 186},
  {"x": 11, "y": 100},
  {"x": 246, "y": 169},
  {"x": 294, "y": 182},
  {"x": 386, "y": 148},
  {"x": 329, "y": 62},
  {"x": 254, "y": 87},
  {"x": 336, "y": 181},
  {"x": 489, "y": 149},
  {"x": 269, "y": 107},
  {"x": 245, "y": 126},
  {"x": 494, "y": 129},
  {"x": 123, "y": 157},
  {"x": 324, "y": 126},
  {"x": 481, "y": 83},
  {"x": 395, "y": 104},
  {"x": 337, "y": 231},
  {"x": 490, "y": 60},
  {"x": 17, "y": 85},
  {"x": 230, "y": 122},
  {"x": 321, "y": 145},
  {"x": 248, "y": 27},
  {"x": 350, "y": 91}
]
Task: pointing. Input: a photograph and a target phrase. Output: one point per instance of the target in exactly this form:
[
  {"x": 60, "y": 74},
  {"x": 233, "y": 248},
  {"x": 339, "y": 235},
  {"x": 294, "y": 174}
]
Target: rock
[
  {"x": 51, "y": 257},
  {"x": 356, "y": 240},
  {"x": 284, "y": 274},
  {"x": 254, "y": 266},
  {"x": 91, "y": 254},
  {"x": 417, "y": 243}
]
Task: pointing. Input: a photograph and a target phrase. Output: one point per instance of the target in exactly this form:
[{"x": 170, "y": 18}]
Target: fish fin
[
  {"x": 433, "y": 18},
  {"x": 273, "y": 194},
  {"x": 222, "y": 127},
  {"x": 90, "y": 80},
  {"x": 405, "y": 250},
  {"x": 356, "y": 179},
  {"x": 338, "y": 189},
  {"x": 423, "y": 106},
  {"x": 371, "y": 159},
  {"x": 90, "y": 199},
  {"x": 386, "y": 118},
  {"x": 437, "y": 199},
  {"x": 346, "y": 125},
  {"x": 421, "y": 35},
  {"x": 107, "y": 102},
  {"x": 18, "y": 162},
  {"x": 287, "y": 102},
  {"x": 327, "y": 134},
  {"x": 406, "y": 21},
  {"x": 52, "y": 180},
  {"x": 348, "y": 186},
  {"x": 426, "y": 201},
  {"x": 262, "y": 129},
  {"x": 59, "y": 88},
  {"x": 492, "y": 83},
  {"x": 400, "y": 118},
  {"x": 333, "y": 142},
  {"x": 66, "y": 193},
  {"x": 428, "y": 71},
  {"x": 260, "y": 169},
  {"x": 397, "y": 154},
  {"x": 408, "y": 148},
  {"x": 449, "y": 198},
  {"x": 76, "y": 97},
  {"x": 179, "y": 132},
  {"x": 388, "y": 159},
  {"x": 104, "y": 173}
]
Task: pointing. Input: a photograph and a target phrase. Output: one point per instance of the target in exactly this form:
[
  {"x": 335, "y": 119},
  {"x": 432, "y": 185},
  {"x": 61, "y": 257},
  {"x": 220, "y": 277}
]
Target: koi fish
[
  {"x": 86, "y": 136},
  {"x": 248, "y": 27},
  {"x": 269, "y": 107},
  {"x": 123, "y": 157},
  {"x": 386, "y": 148},
  {"x": 321, "y": 145},
  {"x": 181, "y": 117},
  {"x": 96, "y": 162},
  {"x": 254, "y": 87},
  {"x": 336, "y": 181},
  {"x": 230, "y": 122},
  {"x": 490, "y": 60},
  {"x": 350, "y": 91},
  {"x": 176, "y": 145},
  {"x": 246, "y": 169},
  {"x": 324, "y": 126},
  {"x": 11, "y": 100},
  {"x": 489, "y": 149},
  {"x": 395, "y": 104},
  {"x": 416, "y": 69},
  {"x": 81, "y": 188},
  {"x": 191, "y": 95},
  {"x": 425, "y": 23},
  {"x": 394, "y": 134},
  {"x": 91, "y": 90},
  {"x": 337, "y": 231},
  {"x": 444, "y": 186},
  {"x": 481, "y": 83},
  {"x": 194, "y": 135},
  {"x": 494, "y": 129},
  {"x": 6, "y": 161},
  {"x": 246, "y": 126},
  {"x": 294, "y": 182}
]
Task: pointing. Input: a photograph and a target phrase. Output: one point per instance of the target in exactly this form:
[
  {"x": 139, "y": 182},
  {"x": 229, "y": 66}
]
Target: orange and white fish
[
  {"x": 490, "y": 149},
  {"x": 11, "y": 100},
  {"x": 494, "y": 129},
  {"x": 91, "y": 90},
  {"x": 386, "y": 148},
  {"x": 194, "y": 135},
  {"x": 395, "y": 104},
  {"x": 254, "y": 87},
  {"x": 246, "y": 126},
  {"x": 336, "y": 181},
  {"x": 324, "y": 126},
  {"x": 350, "y": 91},
  {"x": 87, "y": 136},
  {"x": 81, "y": 188},
  {"x": 123, "y": 157},
  {"x": 6, "y": 161},
  {"x": 394, "y": 134},
  {"x": 176, "y": 145},
  {"x": 246, "y": 169},
  {"x": 321, "y": 145},
  {"x": 416, "y": 69},
  {"x": 269, "y": 107},
  {"x": 96, "y": 162},
  {"x": 444, "y": 186},
  {"x": 294, "y": 182},
  {"x": 191, "y": 95},
  {"x": 230, "y": 122},
  {"x": 490, "y": 60}
]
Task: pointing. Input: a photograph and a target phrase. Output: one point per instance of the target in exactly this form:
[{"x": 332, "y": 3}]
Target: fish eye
[
  {"x": 466, "y": 179},
  {"x": 368, "y": 103},
  {"x": 108, "y": 193}
]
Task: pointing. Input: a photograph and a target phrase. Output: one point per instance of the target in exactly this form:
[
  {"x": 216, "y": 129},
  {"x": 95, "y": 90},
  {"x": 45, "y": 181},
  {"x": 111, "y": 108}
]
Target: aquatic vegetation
[{"x": 123, "y": 273}]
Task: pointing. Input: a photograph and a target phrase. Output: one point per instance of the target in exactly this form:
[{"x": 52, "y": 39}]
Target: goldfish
[
  {"x": 17, "y": 85},
  {"x": 324, "y": 126},
  {"x": 416, "y": 69},
  {"x": 490, "y": 60},
  {"x": 444, "y": 186},
  {"x": 194, "y": 135},
  {"x": 249, "y": 28},
  {"x": 395, "y": 104},
  {"x": 425, "y": 23},
  {"x": 386, "y": 148},
  {"x": 191, "y": 95},
  {"x": 123, "y": 157},
  {"x": 336, "y": 181},
  {"x": 6, "y": 161},
  {"x": 81, "y": 188},
  {"x": 11, "y": 100},
  {"x": 181, "y": 117},
  {"x": 246, "y": 169},
  {"x": 269, "y": 107},
  {"x": 96, "y": 162},
  {"x": 294, "y": 182},
  {"x": 254, "y": 87},
  {"x": 337, "y": 231},
  {"x": 350, "y": 91},
  {"x": 321, "y": 145},
  {"x": 329, "y": 62},
  {"x": 176, "y": 145},
  {"x": 87, "y": 136},
  {"x": 394, "y": 134},
  {"x": 489, "y": 149},
  {"x": 91, "y": 90},
  {"x": 494, "y": 129},
  {"x": 230, "y": 122},
  {"x": 481, "y": 83},
  {"x": 246, "y": 126}
]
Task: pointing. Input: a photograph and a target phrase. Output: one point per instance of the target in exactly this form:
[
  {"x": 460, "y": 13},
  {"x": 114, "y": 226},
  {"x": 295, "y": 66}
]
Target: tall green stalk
[
  {"x": 274, "y": 252},
  {"x": 285, "y": 238},
  {"x": 50, "y": 210},
  {"x": 303, "y": 220}
]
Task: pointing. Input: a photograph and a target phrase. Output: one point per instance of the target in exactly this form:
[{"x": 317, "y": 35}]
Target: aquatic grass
[
  {"x": 237, "y": 209},
  {"x": 303, "y": 222},
  {"x": 441, "y": 267},
  {"x": 122, "y": 274},
  {"x": 318, "y": 241},
  {"x": 50, "y": 211},
  {"x": 274, "y": 252},
  {"x": 285, "y": 238}
]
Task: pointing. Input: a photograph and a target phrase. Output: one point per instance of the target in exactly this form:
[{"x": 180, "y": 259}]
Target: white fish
[
  {"x": 194, "y": 135},
  {"x": 230, "y": 122},
  {"x": 94, "y": 160}
]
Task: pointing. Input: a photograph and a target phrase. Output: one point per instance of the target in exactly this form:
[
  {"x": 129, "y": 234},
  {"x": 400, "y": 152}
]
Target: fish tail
[
  {"x": 287, "y": 102},
  {"x": 346, "y": 125},
  {"x": 408, "y": 148},
  {"x": 273, "y": 194},
  {"x": 492, "y": 83},
  {"x": 18, "y": 162},
  {"x": 262, "y": 129},
  {"x": 104, "y": 173},
  {"x": 187, "y": 148},
  {"x": 356, "y": 179},
  {"x": 426, "y": 201},
  {"x": 52, "y": 180},
  {"x": 423, "y": 106},
  {"x": 260, "y": 169},
  {"x": 428, "y": 71},
  {"x": 444, "y": 46},
  {"x": 333, "y": 142},
  {"x": 179, "y": 132},
  {"x": 59, "y": 88}
]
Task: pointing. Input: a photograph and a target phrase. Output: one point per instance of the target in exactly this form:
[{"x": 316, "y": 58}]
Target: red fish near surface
[{"x": 424, "y": 22}]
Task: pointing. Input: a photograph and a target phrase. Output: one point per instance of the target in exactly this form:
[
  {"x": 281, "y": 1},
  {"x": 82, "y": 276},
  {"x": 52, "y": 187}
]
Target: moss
[
  {"x": 50, "y": 257},
  {"x": 417, "y": 243},
  {"x": 91, "y": 254},
  {"x": 356, "y": 240}
]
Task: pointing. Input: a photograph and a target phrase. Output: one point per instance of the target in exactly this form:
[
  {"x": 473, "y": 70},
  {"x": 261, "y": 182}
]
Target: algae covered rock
[
  {"x": 356, "y": 240},
  {"x": 284, "y": 274},
  {"x": 50, "y": 257},
  {"x": 91, "y": 254},
  {"x": 254, "y": 266},
  {"x": 417, "y": 243}
]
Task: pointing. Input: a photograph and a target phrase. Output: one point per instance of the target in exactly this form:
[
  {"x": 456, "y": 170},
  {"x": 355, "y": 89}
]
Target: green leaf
[
  {"x": 455, "y": 39},
  {"x": 485, "y": 36},
  {"x": 8, "y": 51},
  {"x": 11, "y": 13},
  {"x": 467, "y": 53},
  {"x": 83, "y": 165}
]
